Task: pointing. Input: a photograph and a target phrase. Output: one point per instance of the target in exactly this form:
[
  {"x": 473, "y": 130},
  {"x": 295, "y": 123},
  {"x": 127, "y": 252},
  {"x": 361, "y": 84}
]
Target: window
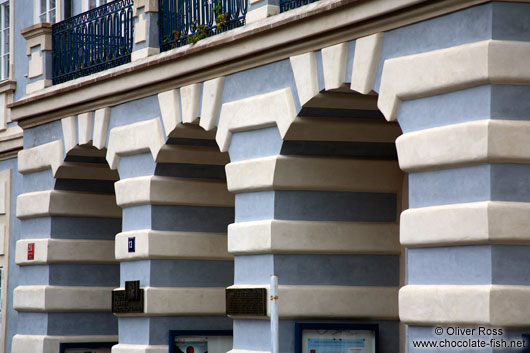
[
  {"x": 92, "y": 4},
  {"x": 4, "y": 39},
  {"x": 46, "y": 10}
]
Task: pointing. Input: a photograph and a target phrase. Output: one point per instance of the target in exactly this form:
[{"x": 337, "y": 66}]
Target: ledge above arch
[
  {"x": 451, "y": 69},
  {"x": 269, "y": 109}
]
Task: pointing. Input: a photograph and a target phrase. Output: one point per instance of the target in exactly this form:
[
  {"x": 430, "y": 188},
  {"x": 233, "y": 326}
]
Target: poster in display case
[
  {"x": 200, "y": 341},
  {"x": 335, "y": 338}
]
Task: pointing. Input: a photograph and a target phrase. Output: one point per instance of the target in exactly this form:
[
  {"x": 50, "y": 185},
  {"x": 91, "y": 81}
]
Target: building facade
[{"x": 161, "y": 159}]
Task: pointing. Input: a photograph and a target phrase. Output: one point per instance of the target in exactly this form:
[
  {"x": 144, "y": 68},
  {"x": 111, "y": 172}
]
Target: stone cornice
[
  {"x": 36, "y": 30},
  {"x": 7, "y": 86},
  {"x": 301, "y": 30},
  {"x": 38, "y": 34}
]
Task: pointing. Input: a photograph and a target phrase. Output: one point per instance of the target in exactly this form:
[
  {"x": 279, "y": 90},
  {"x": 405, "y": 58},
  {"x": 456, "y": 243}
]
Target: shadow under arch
[
  {"x": 342, "y": 123},
  {"x": 81, "y": 256}
]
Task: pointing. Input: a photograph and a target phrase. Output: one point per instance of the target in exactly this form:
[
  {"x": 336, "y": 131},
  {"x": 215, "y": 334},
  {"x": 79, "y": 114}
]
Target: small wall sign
[
  {"x": 31, "y": 251},
  {"x": 131, "y": 244}
]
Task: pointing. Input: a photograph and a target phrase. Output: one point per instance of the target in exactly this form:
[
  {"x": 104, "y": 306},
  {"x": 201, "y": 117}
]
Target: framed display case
[
  {"x": 335, "y": 338},
  {"x": 200, "y": 341}
]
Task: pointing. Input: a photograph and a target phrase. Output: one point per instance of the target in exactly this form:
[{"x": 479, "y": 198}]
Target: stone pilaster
[
  {"x": 176, "y": 209},
  {"x": 39, "y": 50},
  {"x": 65, "y": 251},
  {"x": 463, "y": 147},
  {"x": 146, "y": 38}
]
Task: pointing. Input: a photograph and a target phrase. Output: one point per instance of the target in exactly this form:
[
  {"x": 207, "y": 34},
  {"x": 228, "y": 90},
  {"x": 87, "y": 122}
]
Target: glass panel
[
  {"x": 1, "y": 276},
  {"x": 6, "y": 66},
  {"x": 92, "y": 4},
  {"x": 42, "y": 18},
  {"x": 6, "y": 41},
  {"x": 52, "y": 11},
  {"x": 6, "y": 15},
  {"x": 338, "y": 341},
  {"x": 43, "y": 6}
]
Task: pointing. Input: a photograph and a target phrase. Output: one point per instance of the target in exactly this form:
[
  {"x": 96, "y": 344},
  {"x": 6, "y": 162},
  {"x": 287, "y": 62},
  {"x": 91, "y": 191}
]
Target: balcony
[
  {"x": 93, "y": 41},
  {"x": 102, "y": 38},
  {"x": 187, "y": 21}
]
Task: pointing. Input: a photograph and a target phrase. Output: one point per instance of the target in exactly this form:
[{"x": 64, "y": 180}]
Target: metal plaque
[
  {"x": 130, "y": 300},
  {"x": 132, "y": 290},
  {"x": 246, "y": 301}
]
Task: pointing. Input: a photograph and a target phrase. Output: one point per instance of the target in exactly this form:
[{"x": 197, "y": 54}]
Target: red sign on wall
[{"x": 31, "y": 251}]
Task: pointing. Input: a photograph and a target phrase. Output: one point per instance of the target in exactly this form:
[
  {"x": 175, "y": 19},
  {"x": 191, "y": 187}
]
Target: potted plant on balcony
[
  {"x": 221, "y": 17},
  {"x": 198, "y": 32}
]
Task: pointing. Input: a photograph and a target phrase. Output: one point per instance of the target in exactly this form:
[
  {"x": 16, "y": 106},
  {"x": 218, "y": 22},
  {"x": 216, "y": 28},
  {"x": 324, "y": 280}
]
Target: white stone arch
[{"x": 81, "y": 134}]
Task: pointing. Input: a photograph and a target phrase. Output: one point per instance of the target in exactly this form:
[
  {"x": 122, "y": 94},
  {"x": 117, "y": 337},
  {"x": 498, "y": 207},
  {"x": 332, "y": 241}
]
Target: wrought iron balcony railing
[
  {"x": 187, "y": 21},
  {"x": 286, "y": 5},
  {"x": 93, "y": 41}
]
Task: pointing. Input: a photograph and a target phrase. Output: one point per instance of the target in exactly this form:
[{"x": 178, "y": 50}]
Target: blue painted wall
[
  {"x": 21, "y": 59},
  {"x": 307, "y": 205},
  {"x": 479, "y": 264},
  {"x": 42, "y": 134},
  {"x": 466, "y": 26},
  {"x": 496, "y": 182},
  {"x": 178, "y": 273},
  {"x": 321, "y": 269}
]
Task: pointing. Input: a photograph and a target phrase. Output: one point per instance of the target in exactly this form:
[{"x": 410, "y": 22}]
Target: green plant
[
  {"x": 176, "y": 34},
  {"x": 199, "y": 32},
  {"x": 220, "y": 17}
]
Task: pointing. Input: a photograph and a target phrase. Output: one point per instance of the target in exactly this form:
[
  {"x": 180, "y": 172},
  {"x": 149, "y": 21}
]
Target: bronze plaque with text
[
  {"x": 246, "y": 301},
  {"x": 130, "y": 300}
]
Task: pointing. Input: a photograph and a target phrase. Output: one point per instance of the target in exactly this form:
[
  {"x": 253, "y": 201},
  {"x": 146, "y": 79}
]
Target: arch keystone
[
  {"x": 85, "y": 124},
  {"x": 190, "y": 96},
  {"x": 334, "y": 61}
]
